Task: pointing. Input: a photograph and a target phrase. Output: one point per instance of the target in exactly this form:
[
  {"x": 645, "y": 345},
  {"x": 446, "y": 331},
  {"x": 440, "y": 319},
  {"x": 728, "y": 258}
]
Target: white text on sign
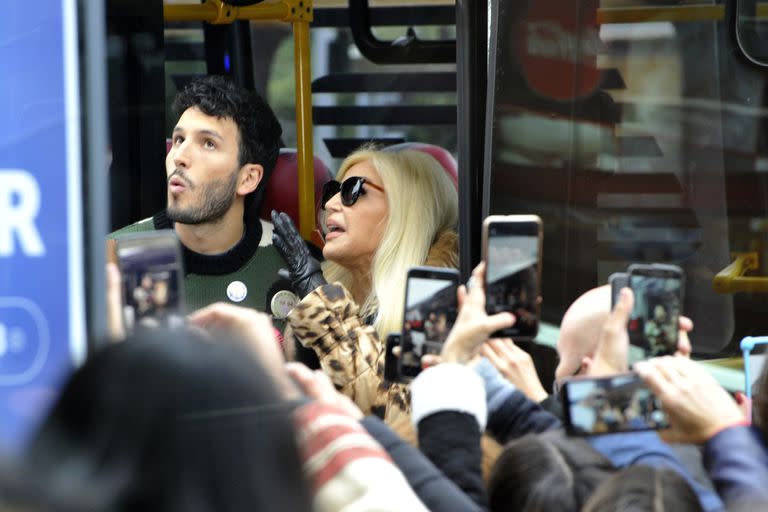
[{"x": 19, "y": 206}]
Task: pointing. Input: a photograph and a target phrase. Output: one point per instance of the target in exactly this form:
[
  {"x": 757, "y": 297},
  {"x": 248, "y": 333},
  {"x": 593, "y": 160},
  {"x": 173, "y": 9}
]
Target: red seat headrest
[
  {"x": 442, "y": 155},
  {"x": 282, "y": 192}
]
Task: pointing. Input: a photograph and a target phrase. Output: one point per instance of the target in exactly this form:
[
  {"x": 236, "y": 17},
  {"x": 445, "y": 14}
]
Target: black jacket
[
  {"x": 514, "y": 415},
  {"x": 437, "y": 492},
  {"x": 451, "y": 440}
]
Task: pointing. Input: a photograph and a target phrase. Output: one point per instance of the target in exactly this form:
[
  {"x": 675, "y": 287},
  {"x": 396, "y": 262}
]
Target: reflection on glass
[{"x": 660, "y": 156}]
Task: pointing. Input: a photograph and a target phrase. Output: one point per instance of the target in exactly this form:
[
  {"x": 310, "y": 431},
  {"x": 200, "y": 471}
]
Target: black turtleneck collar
[{"x": 217, "y": 264}]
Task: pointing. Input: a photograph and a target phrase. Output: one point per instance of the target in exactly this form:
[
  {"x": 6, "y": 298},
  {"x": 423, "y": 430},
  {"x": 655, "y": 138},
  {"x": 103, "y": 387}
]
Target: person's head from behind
[
  {"x": 538, "y": 473},
  {"x": 225, "y": 145},
  {"x": 167, "y": 421},
  {"x": 382, "y": 226},
  {"x": 580, "y": 330},
  {"x": 583, "y": 326},
  {"x": 644, "y": 488}
]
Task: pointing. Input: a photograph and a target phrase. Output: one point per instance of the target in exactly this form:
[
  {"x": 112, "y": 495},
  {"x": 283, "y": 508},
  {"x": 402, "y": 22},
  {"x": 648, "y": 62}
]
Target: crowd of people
[{"x": 230, "y": 413}]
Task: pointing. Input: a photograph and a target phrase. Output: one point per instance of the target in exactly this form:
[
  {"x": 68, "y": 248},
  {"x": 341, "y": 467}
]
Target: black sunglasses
[{"x": 350, "y": 190}]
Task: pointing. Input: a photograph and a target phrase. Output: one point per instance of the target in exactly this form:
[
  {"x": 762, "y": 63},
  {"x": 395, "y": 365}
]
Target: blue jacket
[
  {"x": 737, "y": 461},
  {"x": 647, "y": 448},
  {"x": 510, "y": 413}
]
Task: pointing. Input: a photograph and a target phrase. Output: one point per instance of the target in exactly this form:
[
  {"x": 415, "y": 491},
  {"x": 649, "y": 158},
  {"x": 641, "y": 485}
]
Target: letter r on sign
[{"x": 19, "y": 205}]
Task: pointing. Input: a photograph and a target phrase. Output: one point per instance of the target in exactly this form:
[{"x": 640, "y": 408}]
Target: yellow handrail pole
[
  {"x": 678, "y": 13},
  {"x": 207, "y": 11},
  {"x": 197, "y": 12},
  {"x": 218, "y": 12},
  {"x": 302, "y": 68},
  {"x": 665, "y": 13},
  {"x": 265, "y": 11},
  {"x": 732, "y": 279}
]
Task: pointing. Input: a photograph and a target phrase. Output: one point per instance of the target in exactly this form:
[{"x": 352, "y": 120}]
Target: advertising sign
[{"x": 42, "y": 330}]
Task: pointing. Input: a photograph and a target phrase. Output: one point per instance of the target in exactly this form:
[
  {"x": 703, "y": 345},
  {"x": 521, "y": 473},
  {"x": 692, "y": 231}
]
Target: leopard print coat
[{"x": 350, "y": 352}]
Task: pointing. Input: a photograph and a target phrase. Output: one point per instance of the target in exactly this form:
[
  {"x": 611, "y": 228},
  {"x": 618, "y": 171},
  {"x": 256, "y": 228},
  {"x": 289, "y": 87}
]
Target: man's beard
[{"x": 217, "y": 198}]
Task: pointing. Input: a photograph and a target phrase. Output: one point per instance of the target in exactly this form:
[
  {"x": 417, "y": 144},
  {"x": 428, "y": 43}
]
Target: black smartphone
[
  {"x": 512, "y": 253},
  {"x": 429, "y": 314},
  {"x": 390, "y": 359},
  {"x": 153, "y": 279},
  {"x": 617, "y": 280},
  {"x": 604, "y": 405},
  {"x": 653, "y": 324}
]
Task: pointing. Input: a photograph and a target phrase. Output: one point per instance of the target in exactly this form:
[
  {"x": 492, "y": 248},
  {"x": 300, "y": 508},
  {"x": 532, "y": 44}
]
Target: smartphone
[
  {"x": 390, "y": 359},
  {"x": 512, "y": 253},
  {"x": 617, "y": 280},
  {"x": 653, "y": 323},
  {"x": 428, "y": 316},
  {"x": 153, "y": 279},
  {"x": 604, "y": 405}
]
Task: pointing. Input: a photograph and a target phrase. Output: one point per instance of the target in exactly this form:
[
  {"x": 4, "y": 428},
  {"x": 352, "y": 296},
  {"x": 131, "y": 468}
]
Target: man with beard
[{"x": 225, "y": 145}]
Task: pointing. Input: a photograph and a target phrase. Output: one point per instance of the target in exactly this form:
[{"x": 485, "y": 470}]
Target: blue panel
[{"x": 36, "y": 242}]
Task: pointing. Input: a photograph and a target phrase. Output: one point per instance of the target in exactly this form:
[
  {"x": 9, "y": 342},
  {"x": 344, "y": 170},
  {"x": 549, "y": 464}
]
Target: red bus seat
[
  {"x": 282, "y": 192},
  {"x": 442, "y": 155}
]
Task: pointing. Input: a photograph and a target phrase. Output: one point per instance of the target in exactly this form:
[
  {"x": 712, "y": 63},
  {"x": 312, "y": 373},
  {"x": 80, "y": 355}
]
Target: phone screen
[
  {"x": 619, "y": 403},
  {"x": 512, "y": 275},
  {"x": 430, "y": 312},
  {"x": 653, "y": 323},
  {"x": 390, "y": 359},
  {"x": 152, "y": 274}
]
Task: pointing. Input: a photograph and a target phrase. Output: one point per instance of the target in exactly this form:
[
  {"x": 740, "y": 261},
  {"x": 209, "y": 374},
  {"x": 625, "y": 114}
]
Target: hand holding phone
[
  {"x": 429, "y": 314},
  {"x": 473, "y": 325},
  {"x": 605, "y": 405},
  {"x": 617, "y": 281},
  {"x": 654, "y": 321},
  {"x": 153, "y": 279},
  {"x": 698, "y": 407},
  {"x": 512, "y": 247}
]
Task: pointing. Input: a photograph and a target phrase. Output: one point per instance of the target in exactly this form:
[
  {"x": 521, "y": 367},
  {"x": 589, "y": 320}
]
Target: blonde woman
[{"x": 388, "y": 211}]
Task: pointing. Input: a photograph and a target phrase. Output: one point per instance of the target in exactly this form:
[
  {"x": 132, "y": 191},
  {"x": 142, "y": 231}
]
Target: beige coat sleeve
[{"x": 350, "y": 351}]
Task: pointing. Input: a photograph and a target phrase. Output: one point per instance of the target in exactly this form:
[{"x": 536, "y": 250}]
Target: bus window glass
[{"x": 637, "y": 136}]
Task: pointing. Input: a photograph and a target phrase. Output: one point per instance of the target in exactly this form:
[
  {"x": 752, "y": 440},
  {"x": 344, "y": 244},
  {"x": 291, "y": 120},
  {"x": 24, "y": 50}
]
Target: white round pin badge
[
  {"x": 282, "y": 303},
  {"x": 237, "y": 291}
]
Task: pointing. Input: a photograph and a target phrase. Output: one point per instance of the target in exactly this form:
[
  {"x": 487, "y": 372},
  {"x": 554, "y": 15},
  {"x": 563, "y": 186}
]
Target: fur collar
[{"x": 444, "y": 251}]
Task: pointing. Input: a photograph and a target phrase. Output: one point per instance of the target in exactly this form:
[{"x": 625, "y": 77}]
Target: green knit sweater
[{"x": 208, "y": 278}]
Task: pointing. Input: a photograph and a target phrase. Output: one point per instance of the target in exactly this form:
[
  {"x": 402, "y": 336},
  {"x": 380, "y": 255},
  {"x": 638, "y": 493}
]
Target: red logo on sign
[{"x": 558, "y": 47}]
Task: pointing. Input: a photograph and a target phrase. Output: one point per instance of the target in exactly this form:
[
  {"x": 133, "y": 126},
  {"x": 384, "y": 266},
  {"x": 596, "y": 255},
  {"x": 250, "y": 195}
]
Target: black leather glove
[{"x": 304, "y": 270}]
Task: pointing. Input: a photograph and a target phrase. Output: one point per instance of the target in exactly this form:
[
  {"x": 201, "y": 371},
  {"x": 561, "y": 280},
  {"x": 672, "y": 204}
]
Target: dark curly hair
[{"x": 257, "y": 124}]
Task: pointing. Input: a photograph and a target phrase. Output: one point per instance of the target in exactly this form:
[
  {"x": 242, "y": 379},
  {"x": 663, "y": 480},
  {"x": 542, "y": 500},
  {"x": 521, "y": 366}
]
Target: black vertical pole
[
  {"x": 228, "y": 52},
  {"x": 136, "y": 84},
  {"x": 95, "y": 140},
  {"x": 472, "y": 69}
]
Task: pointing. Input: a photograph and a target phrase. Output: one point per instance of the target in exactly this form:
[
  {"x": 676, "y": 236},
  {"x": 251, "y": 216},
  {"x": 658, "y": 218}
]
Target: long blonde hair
[{"x": 423, "y": 203}]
